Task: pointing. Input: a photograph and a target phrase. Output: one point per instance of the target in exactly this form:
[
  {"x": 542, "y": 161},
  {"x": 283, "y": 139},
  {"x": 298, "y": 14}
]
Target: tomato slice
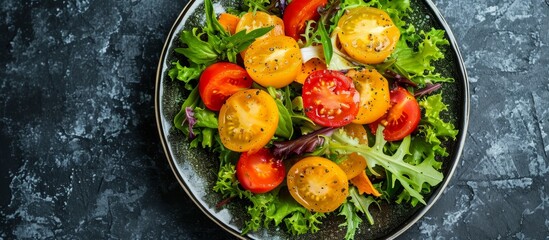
[
  {"x": 260, "y": 171},
  {"x": 219, "y": 81},
  {"x": 274, "y": 61},
  {"x": 297, "y": 13},
  {"x": 330, "y": 98},
  {"x": 374, "y": 95},
  {"x": 248, "y": 120},
  {"x": 403, "y": 116},
  {"x": 367, "y": 34},
  {"x": 318, "y": 184}
]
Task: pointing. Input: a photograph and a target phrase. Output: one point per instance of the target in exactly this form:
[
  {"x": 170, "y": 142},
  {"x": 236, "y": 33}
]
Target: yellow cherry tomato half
[
  {"x": 254, "y": 20},
  {"x": 375, "y": 98},
  {"x": 248, "y": 120},
  {"x": 318, "y": 184},
  {"x": 367, "y": 34},
  {"x": 274, "y": 61}
]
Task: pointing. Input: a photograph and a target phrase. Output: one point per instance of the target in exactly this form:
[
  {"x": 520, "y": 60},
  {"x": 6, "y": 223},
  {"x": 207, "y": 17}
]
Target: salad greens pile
[{"x": 411, "y": 167}]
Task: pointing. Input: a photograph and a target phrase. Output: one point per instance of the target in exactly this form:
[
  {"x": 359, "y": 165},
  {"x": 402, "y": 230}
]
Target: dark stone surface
[{"x": 80, "y": 156}]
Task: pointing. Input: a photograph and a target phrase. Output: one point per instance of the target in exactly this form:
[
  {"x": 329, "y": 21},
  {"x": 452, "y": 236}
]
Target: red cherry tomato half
[
  {"x": 260, "y": 172},
  {"x": 297, "y": 13},
  {"x": 330, "y": 98},
  {"x": 403, "y": 116},
  {"x": 221, "y": 80}
]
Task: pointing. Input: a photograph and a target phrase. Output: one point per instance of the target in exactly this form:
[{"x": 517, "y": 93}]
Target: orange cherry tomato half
[
  {"x": 403, "y": 116},
  {"x": 367, "y": 34},
  {"x": 260, "y": 172},
  {"x": 297, "y": 13},
  {"x": 330, "y": 98},
  {"x": 229, "y": 22},
  {"x": 318, "y": 184},
  {"x": 219, "y": 81}
]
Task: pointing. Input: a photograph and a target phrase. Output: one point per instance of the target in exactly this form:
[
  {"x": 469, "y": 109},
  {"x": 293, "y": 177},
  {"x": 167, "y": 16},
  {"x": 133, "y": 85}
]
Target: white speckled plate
[{"x": 196, "y": 169}]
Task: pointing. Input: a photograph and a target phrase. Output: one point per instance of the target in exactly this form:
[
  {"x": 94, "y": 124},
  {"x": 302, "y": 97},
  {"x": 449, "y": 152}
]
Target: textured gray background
[{"x": 80, "y": 155}]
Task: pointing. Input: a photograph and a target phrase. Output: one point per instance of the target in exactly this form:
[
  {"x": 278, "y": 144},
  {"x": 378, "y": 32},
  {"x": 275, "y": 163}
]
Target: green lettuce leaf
[
  {"x": 432, "y": 125},
  {"x": 352, "y": 220},
  {"x": 417, "y": 65},
  {"x": 186, "y": 74},
  {"x": 411, "y": 177}
]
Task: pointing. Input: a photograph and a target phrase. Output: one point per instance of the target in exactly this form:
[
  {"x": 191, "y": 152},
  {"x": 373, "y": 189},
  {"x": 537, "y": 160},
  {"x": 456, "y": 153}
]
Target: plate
[{"x": 196, "y": 169}]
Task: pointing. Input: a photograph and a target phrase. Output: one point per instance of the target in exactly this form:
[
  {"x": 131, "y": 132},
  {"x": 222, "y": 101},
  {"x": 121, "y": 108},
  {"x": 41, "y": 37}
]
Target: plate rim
[{"x": 414, "y": 218}]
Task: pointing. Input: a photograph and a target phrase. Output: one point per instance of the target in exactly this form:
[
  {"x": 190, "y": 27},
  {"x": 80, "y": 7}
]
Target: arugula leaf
[
  {"x": 411, "y": 177},
  {"x": 352, "y": 220},
  {"x": 255, "y": 5},
  {"x": 362, "y": 203}
]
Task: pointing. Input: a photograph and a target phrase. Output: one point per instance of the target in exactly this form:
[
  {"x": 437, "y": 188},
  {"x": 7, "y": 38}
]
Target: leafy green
[
  {"x": 350, "y": 209},
  {"x": 205, "y": 127},
  {"x": 197, "y": 51},
  {"x": 192, "y": 101},
  {"x": 218, "y": 45},
  {"x": 186, "y": 73},
  {"x": 285, "y": 127},
  {"x": 326, "y": 43},
  {"x": 417, "y": 65},
  {"x": 362, "y": 203},
  {"x": 297, "y": 219},
  {"x": 270, "y": 208},
  {"x": 262, "y": 5},
  {"x": 260, "y": 204},
  {"x": 205, "y": 118},
  {"x": 227, "y": 183},
  {"x": 433, "y": 126},
  {"x": 411, "y": 177},
  {"x": 352, "y": 220}
]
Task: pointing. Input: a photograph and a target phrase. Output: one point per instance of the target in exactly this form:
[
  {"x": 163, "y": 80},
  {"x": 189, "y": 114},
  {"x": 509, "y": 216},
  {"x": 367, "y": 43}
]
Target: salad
[{"x": 315, "y": 107}]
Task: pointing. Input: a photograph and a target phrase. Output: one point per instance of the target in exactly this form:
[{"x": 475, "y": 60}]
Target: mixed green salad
[{"x": 315, "y": 107}]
